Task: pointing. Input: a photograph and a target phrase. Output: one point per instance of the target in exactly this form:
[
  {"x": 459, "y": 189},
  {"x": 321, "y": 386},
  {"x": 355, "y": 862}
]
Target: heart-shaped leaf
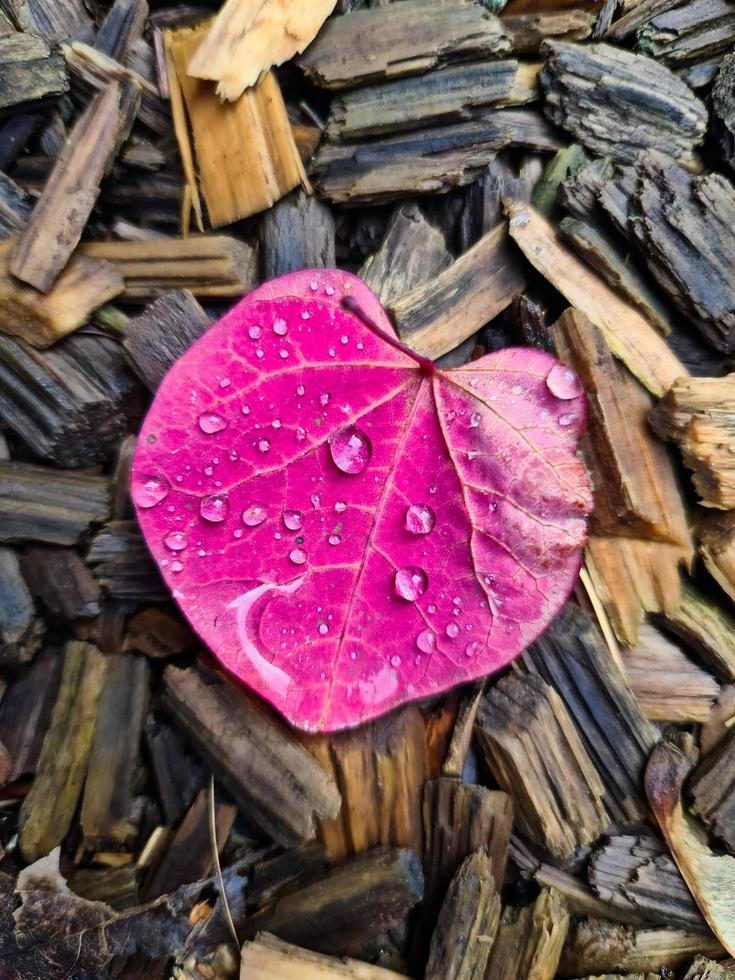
[{"x": 346, "y": 529}]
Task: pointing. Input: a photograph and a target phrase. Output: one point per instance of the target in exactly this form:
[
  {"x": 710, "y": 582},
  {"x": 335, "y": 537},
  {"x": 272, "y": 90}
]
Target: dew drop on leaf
[
  {"x": 253, "y": 515},
  {"x": 340, "y": 506},
  {"x": 323, "y": 629},
  {"x": 334, "y": 539},
  {"x": 566, "y": 420},
  {"x": 150, "y": 489},
  {"x": 395, "y": 660},
  {"x": 420, "y": 519},
  {"x": 176, "y": 541},
  {"x": 300, "y": 390},
  {"x": 300, "y": 434},
  {"x": 254, "y": 332},
  {"x": 350, "y": 449},
  {"x": 280, "y": 327},
  {"x": 293, "y": 520},
  {"x": 452, "y": 630},
  {"x": 177, "y": 566},
  {"x": 324, "y": 399},
  {"x": 298, "y": 556},
  {"x": 475, "y": 420},
  {"x": 214, "y": 507},
  {"x": 426, "y": 641},
  {"x": 563, "y": 382},
  {"x": 210, "y": 422},
  {"x": 472, "y": 648},
  {"x": 264, "y": 445},
  {"x": 410, "y": 582}
]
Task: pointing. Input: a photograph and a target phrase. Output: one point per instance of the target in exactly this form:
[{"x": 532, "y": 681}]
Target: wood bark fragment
[
  {"x": 245, "y": 150},
  {"x": 122, "y": 26},
  {"x": 48, "y": 809},
  {"x": 459, "y": 746},
  {"x": 297, "y": 233},
  {"x": 528, "y": 30},
  {"x": 122, "y": 564},
  {"x": 711, "y": 788},
  {"x": 530, "y": 940},
  {"x": 15, "y": 206},
  {"x": 723, "y": 109},
  {"x": 246, "y": 748},
  {"x": 526, "y": 734},
  {"x": 717, "y": 547},
  {"x": 25, "y": 712},
  {"x": 706, "y": 969},
  {"x": 404, "y": 39},
  {"x": 31, "y": 74},
  {"x": 158, "y": 336},
  {"x": 689, "y": 34},
  {"x": 177, "y": 773},
  {"x": 61, "y": 581},
  {"x": 636, "y": 15},
  {"x": 436, "y": 316},
  {"x": 209, "y": 266},
  {"x": 21, "y": 630},
  {"x": 61, "y": 213},
  {"x": 49, "y": 19},
  {"x": 628, "y": 334},
  {"x": 706, "y": 628},
  {"x": 269, "y": 958},
  {"x": 467, "y": 923},
  {"x": 617, "y": 102}
]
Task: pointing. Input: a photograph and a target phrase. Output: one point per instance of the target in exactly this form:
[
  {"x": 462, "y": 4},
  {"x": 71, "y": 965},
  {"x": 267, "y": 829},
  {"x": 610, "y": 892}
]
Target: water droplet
[
  {"x": 208, "y": 470},
  {"x": 566, "y": 420},
  {"x": 245, "y": 410},
  {"x": 298, "y": 556},
  {"x": 472, "y": 648},
  {"x": 452, "y": 630},
  {"x": 410, "y": 582},
  {"x": 210, "y": 422},
  {"x": 332, "y": 352},
  {"x": 426, "y": 641},
  {"x": 293, "y": 520},
  {"x": 300, "y": 434},
  {"x": 150, "y": 489},
  {"x": 350, "y": 449},
  {"x": 353, "y": 655},
  {"x": 305, "y": 315},
  {"x": 300, "y": 390},
  {"x": 283, "y": 354},
  {"x": 259, "y": 353},
  {"x": 280, "y": 327},
  {"x": 324, "y": 399},
  {"x": 264, "y": 445},
  {"x": 329, "y": 290},
  {"x": 334, "y": 539},
  {"x": 431, "y": 608},
  {"x": 323, "y": 629},
  {"x": 475, "y": 419},
  {"x": 315, "y": 499},
  {"x": 563, "y": 382},
  {"x": 395, "y": 660},
  {"x": 255, "y": 332},
  {"x": 517, "y": 389},
  {"x": 344, "y": 339},
  {"x": 237, "y": 533},
  {"x": 276, "y": 423},
  {"x": 420, "y": 519},
  {"x": 432, "y": 488},
  {"x": 176, "y": 541},
  {"x": 340, "y": 506},
  {"x": 177, "y": 566},
  {"x": 214, "y": 507}
]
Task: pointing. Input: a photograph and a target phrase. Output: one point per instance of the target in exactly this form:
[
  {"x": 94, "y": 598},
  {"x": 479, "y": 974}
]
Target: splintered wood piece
[
  {"x": 107, "y": 806},
  {"x": 42, "y": 319},
  {"x": 122, "y": 563},
  {"x": 436, "y": 316},
  {"x": 345, "y": 910},
  {"x": 467, "y": 923},
  {"x": 38, "y": 503},
  {"x": 61, "y": 213},
  {"x": 297, "y": 233},
  {"x": 633, "y": 479},
  {"x": 711, "y": 788},
  {"x": 62, "y": 581},
  {"x": 690, "y": 34},
  {"x": 122, "y": 26},
  {"x": 668, "y": 685},
  {"x": 636, "y": 873},
  {"x": 50, "y": 19},
  {"x": 717, "y": 548},
  {"x": 529, "y": 941},
  {"x": 31, "y": 73},
  {"x": 536, "y": 755},
  {"x": 413, "y": 251},
  {"x": 529, "y": 29},
  {"x": 274, "y": 874},
  {"x": 116, "y": 887},
  {"x": 459, "y": 746},
  {"x": 425, "y": 100},
  {"x": 709, "y": 876},
  {"x": 177, "y": 773},
  {"x": 248, "y": 37},
  {"x": 67, "y": 403},
  {"x": 685, "y": 227},
  {"x": 15, "y": 206},
  {"x": 717, "y": 726},
  {"x": 188, "y": 856},
  {"x": 251, "y": 752},
  {"x": 427, "y": 160},
  {"x": 627, "y": 332},
  {"x": 618, "y": 103},
  {"x": 209, "y": 266},
  {"x": 25, "y": 712},
  {"x": 705, "y": 628},
  {"x": 723, "y": 109},
  {"x": 634, "y": 15},
  {"x": 595, "y": 946},
  {"x": 21, "y": 629},
  {"x": 158, "y": 336},
  {"x": 503, "y": 179},
  {"x": 269, "y": 958},
  {"x": 573, "y": 657},
  {"x": 706, "y": 969},
  {"x": 699, "y": 415},
  {"x": 49, "y": 807},
  {"x": 245, "y": 150},
  {"x": 380, "y": 770},
  {"x": 404, "y": 39}
]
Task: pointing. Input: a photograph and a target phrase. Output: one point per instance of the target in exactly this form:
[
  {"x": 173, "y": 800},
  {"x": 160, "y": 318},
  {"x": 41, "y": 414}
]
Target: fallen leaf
[
  {"x": 710, "y": 877},
  {"x": 248, "y": 37},
  {"x": 347, "y": 528}
]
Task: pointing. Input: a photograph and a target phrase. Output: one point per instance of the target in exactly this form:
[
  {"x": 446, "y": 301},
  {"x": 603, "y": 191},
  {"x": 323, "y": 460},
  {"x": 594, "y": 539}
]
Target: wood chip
[
  {"x": 268, "y": 958},
  {"x": 711, "y": 788},
  {"x": 297, "y": 233},
  {"x": 689, "y": 34},
  {"x": 723, "y": 109},
  {"x": 25, "y": 712},
  {"x": 122, "y": 563},
  {"x": 20, "y": 628},
  {"x": 31, "y": 73},
  {"x": 528, "y": 30},
  {"x": 717, "y": 548},
  {"x": 61, "y": 581},
  {"x": 530, "y": 940}
]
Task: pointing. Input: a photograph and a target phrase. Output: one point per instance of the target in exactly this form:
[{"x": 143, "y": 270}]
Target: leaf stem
[{"x": 350, "y": 304}]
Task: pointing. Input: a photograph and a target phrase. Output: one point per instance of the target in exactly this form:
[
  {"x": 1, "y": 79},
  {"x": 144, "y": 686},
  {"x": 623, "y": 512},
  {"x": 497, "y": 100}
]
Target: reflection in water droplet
[
  {"x": 475, "y": 420},
  {"x": 426, "y": 641},
  {"x": 410, "y": 582},
  {"x": 350, "y": 449},
  {"x": 280, "y": 327},
  {"x": 176, "y": 541},
  {"x": 452, "y": 630},
  {"x": 420, "y": 519},
  {"x": 210, "y": 422},
  {"x": 340, "y": 506},
  {"x": 264, "y": 445},
  {"x": 334, "y": 539},
  {"x": 563, "y": 382},
  {"x": 293, "y": 519},
  {"x": 254, "y": 332},
  {"x": 395, "y": 660},
  {"x": 214, "y": 507},
  {"x": 177, "y": 566},
  {"x": 472, "y": 648},
  {"x": 298, "y": 556},
  {"x": 566, "y": 420},
  {"x": 149, "y": 489}
]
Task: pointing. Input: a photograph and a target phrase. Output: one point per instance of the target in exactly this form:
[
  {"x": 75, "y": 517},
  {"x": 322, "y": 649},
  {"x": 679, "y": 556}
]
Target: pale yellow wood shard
[{"x": 248, "y": 37}]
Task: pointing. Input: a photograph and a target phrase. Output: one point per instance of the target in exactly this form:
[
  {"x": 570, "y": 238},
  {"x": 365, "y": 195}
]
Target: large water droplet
[
  {"x": 563, "y": 382},
  {"x": 210, "y": 422},
  {"x": 350, "y": 449},
  {"x": 149, "y": 489},
  {"x": 175, "y": 540},
  {"x": 410, "y": 582},
  {"x": 298, "y": 556},
  {"x": 426, "y": 641},
  {"x": 420, "y": 519},
  {"x": 280, "y": 327},
  {"x": 214, "y": 507},
  {"x": 452, "y": 630},
  {"x": 293, "y": 519},
  {"x": 255, "y": 332}
]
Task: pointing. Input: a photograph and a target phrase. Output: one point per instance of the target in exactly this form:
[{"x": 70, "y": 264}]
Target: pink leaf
[{"x": 346, "y": 530}]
